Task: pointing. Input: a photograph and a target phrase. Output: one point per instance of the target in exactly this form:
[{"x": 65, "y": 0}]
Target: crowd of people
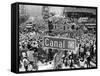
[{"x": 31, "y": 50}]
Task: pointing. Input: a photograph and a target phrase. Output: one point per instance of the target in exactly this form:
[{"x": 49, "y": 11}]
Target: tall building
[
  {"x": 45, "y": 12},
  {"x": 79, "y": 12},
  {"x": 22, "y": 10},
  {"x": 82, "y": 16},
  {"x": 23, "y": 15},
  {"x": 57, "y": 10}
]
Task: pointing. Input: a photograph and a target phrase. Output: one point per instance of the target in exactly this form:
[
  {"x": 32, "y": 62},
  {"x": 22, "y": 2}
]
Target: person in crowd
[
  {"x": 25, "y": 60},
  {"x": 91, "y": 50},
  {"x": 59, "y": 66},
  {"x": 30, "y": 57},
  {"x": 81, "y": 52},
  {"x": 85, "y": 49},
  {"x": 66, "y": 61},
  {"x": 50, "y": 57},
  {"x": 63, "y": 57},
  {"x": 50, "y": 25},
  {"x": 29, "y": 46},
  {"x": 94, "y": 48},
  {"x": 30, "y": 67},
  {"x": 82, "y": 63},
  {"x": 88, "y": 59},
  {"x": 35, "y": 55},
  {"x": 71, "y": 61}
]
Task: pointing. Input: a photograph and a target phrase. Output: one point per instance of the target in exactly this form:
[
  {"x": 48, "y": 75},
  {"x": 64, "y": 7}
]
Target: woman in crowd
[
  {"x": 25, "y": 60},
  {"x": 82, "y": 63},
  {"x": 88, "y": 59}
]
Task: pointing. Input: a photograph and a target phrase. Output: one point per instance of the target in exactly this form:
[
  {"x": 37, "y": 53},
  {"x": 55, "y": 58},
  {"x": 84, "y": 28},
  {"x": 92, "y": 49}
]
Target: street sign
[{"x": 59, "y": 43}]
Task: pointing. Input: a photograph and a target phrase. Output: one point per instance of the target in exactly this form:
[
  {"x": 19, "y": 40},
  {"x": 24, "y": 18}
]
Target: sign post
[{"x": 58, "y": 59}]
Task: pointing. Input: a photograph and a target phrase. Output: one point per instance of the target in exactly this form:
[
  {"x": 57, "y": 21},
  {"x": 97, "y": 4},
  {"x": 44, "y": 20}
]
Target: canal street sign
[{"x": 59, "y": 43}]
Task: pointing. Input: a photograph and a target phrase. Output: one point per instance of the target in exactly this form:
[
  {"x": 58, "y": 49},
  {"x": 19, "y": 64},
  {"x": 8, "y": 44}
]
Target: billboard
[{"x": 59, "y": 43}]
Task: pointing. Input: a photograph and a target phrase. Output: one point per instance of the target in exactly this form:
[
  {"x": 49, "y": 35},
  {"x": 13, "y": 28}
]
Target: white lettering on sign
[
  {"x": 51, "y": 43},
  {"x": 55, "y": 43},
  {"x": 46, "y": 40},
  {"x": 59, "y": 43},
  {"x": 70, "y": 44}
]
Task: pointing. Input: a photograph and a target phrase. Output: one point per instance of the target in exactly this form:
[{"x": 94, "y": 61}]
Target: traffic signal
[{"x": 50, "y": 25}]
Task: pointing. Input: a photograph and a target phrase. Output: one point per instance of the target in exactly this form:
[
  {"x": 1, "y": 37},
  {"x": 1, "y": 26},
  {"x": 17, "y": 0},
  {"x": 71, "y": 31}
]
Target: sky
[{"x": 34, "y": 10}]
